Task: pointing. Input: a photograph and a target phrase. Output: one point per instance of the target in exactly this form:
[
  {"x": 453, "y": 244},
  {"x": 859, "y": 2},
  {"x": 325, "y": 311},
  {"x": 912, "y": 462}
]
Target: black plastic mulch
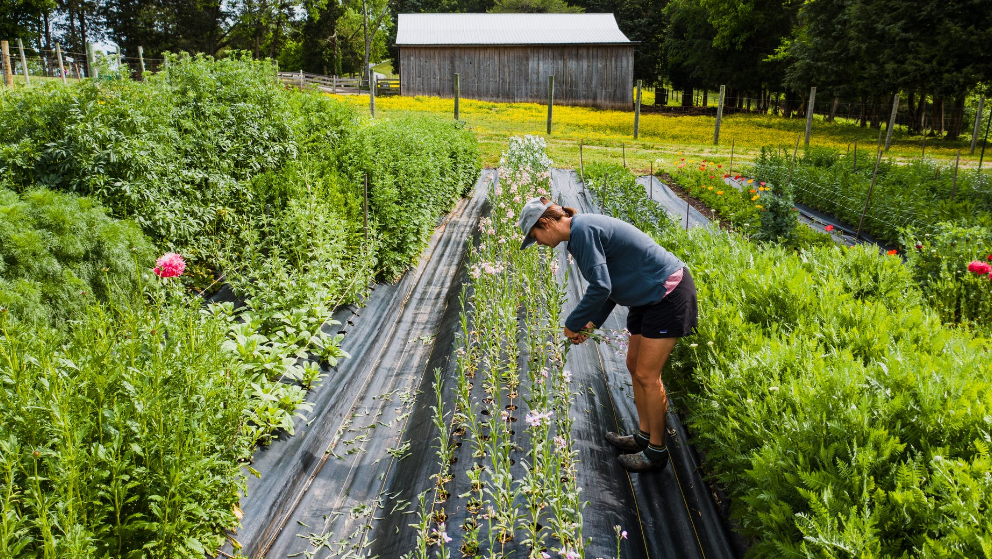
[{"x": 321, "y": 489}]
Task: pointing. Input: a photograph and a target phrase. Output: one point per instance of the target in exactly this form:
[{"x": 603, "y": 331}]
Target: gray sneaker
[
  {"x": 626, "y": 443},
  {"x": 639, "y": 462}
]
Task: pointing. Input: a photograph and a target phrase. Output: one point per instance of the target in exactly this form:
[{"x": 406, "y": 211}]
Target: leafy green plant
[
  {"x": 61, "y": 252},
  {"x": 618, "y": 195}
]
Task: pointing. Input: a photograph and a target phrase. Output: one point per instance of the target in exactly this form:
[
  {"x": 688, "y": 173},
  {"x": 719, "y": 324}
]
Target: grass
[{"x": 607, "y": 134}]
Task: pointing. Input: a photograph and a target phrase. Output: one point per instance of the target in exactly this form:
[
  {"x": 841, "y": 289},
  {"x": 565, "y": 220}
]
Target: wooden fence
[{"x": 335, "y": 84}]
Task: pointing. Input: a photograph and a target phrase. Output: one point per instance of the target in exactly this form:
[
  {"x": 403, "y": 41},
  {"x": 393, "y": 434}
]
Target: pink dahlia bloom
[
  {"x": 979, "y": 267},
  {"x": 170, "y": 265}
]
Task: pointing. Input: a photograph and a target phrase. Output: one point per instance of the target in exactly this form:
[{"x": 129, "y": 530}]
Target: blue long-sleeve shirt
[{"x": 622, "y": 264}]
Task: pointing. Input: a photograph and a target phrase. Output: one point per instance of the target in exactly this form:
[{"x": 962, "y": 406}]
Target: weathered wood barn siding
[{"x": 588, "y": 75}]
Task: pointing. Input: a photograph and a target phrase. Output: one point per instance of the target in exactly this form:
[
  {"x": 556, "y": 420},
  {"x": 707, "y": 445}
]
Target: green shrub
[
  {"x": 416, "y": 167},
  {"x": 618, "y": 194},
  {"x": 60, "y": 252},
  {"x": 840, "y": 415}
]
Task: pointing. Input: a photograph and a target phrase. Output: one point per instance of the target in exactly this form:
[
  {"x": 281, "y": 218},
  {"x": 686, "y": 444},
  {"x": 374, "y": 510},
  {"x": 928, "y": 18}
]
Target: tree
[{"x": 534, "y": 7}]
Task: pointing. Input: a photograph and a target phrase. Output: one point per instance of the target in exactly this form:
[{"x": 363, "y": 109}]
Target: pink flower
[
  {"x": 535, "y": 418},
  {"x": 170, "y": 265},
  {"x": 560, "y": 443},
  {"x": 569, "y": 554},
  {"x": 979, "y": 267}
]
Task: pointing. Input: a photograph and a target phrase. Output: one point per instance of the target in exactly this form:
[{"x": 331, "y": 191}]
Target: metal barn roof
[{"x": 507, "y": 29}]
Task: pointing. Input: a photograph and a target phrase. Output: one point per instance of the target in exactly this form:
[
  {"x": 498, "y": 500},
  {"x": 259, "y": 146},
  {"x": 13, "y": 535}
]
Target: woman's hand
[{"x": 579, "y": 337}]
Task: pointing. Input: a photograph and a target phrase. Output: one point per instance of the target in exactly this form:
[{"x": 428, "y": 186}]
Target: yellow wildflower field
[{"x": 608, "y": 134}]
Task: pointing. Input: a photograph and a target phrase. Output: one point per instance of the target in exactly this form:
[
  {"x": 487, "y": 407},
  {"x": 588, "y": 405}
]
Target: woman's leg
[
  {"x": 633, "y": 345},
  {"x": 649, "y": 392}
]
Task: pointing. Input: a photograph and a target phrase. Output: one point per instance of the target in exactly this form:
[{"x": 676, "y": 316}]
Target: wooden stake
[
  {"x": 892, "y": 122},
  {"x": 58, "y": 54},
  {"x": 719, "y": 115},
  {"x": 792, "y": 165},
  {"x": 24, "y": 62},
  {"x": 730, "y": 171},
  {"x": 366, "y": 208},
  {"x": 637, "y": 110},
  {"x": 141, "y": 60},
  {"x": 623, "y": 148},
  {"x": 652, "y": 181},
  {"x": 954, "y": 185},
  {"x": 981, "y": 157},
  {"x": 855, "y": 155},
  {"x": 878, "y": 159},
  {"x": 8, "y": 73},
  {"x": 978, "y": 124},
  {"x": 551, "y": 100},
  {"x": 457, "y": 83},
  {"x": 582, "y": 174},
  {"x": 809, "y": 114}
]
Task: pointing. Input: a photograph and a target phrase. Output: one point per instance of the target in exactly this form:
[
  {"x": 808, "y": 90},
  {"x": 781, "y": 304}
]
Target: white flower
[
  {"x": 773, "y": 389},
  {"x": 567, "y": 375},
  {"x": 693, "y": 345}
]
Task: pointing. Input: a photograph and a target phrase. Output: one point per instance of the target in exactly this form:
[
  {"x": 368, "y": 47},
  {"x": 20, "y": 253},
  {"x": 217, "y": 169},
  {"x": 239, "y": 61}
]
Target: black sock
[
  {"x": 656, "y": 453},
  {"x": 642, "y": 439}
]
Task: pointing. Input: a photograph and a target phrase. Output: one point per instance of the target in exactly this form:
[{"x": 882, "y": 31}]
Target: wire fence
[{"x": 24, "y": 63}]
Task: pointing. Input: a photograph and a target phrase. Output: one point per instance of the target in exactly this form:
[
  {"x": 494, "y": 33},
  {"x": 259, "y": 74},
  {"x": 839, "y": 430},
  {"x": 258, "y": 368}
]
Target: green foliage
[
  {"x": 618, "y": 194},
  {"x": 429, "y": 163},
  {"x": 60, "y": 252},
  {"x": 917, "y": 194},
  {"x": 939, "y": 262},
  {"x": 840, "y": 415},
  {"x": 118, "y": 437}
]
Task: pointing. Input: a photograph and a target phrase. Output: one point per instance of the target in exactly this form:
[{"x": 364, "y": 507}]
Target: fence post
[
  {"x": 120, "y": 59},
  {"x": 809, "y": 114},
  {"x": 58, "y": 54},
  {"x": 892, "y": 122},
  {"x": 24, "y": 62},
  {"x": 855, "y": 156},
  {"x": 978, "y": 124},
  {"x": 719, "y": 115},
  {"x": 637, "y": 111},
  {"x": 303, "y": 82},
  {"x": 651, "y": 195},
  {"x": 458, "y": 88},
  {"x": 141, "y": 60},
  {"x": 985, "y": 141},
  {"x": 91, "y": 69},
  {"x": 623, "y": 152},
  {"x": 8, "y": 72},
  {"x": 551, "y": 100},
  {"x": 371, "y": 93},
  {"x": 871, "y": 187}
]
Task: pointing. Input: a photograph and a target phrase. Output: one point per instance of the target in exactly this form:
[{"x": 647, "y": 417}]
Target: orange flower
[
  {"x": 752, "y": 191},
  {"x": 893, "y": 252}
]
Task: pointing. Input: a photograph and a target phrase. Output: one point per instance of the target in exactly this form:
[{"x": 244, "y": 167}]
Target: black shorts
[{"x": 674, "y": 316}]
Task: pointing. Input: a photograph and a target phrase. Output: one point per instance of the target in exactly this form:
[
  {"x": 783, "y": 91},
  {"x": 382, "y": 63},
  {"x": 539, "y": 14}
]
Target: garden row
[
  {"x": 518, "y": 490},
  {"x": 839, "y": 413},
  {"x": 128, "y": 405},
  {"x": 939, "y": 239}
]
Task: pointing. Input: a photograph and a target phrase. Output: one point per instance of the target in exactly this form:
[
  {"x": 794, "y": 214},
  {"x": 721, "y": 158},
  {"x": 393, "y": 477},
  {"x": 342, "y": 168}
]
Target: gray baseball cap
[{"x": 531, "y": 212}]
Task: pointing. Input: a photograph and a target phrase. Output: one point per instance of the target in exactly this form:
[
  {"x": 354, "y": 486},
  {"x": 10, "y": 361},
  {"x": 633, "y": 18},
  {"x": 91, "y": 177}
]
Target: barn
[{"x": 508, "y": 57}]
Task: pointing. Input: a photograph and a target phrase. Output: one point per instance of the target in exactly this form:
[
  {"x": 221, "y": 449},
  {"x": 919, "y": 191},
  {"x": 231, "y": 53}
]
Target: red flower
[
  {"x": 989, "y": 257},
  {"x": 979, "y": 267},
  {"x": 719, "y": 166},
  {"x": 702, "y": 168},
  {"x": 725, "y": 175},
  {"x": 893, "y": 252},
  {"x": 828, "y": 228},
  {"x": 736, "y": 177},
  {"x": 712, "y": 177},
  {"x": 919, "y": 246}
]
